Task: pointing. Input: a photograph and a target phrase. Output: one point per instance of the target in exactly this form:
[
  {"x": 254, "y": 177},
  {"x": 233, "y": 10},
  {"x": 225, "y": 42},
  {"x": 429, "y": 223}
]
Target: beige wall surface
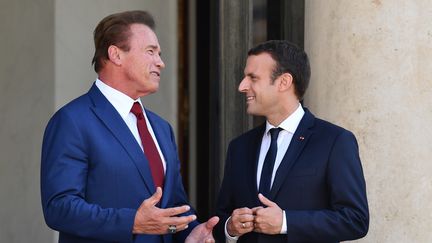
[
  {"x": 26, "y": 86},
  {"x": 371, "y": 64}
]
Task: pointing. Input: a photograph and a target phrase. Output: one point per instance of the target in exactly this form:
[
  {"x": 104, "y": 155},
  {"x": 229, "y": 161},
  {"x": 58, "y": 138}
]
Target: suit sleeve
[
  {"x": 348, "y": 216},
  {"x": 64, "y": 169}
]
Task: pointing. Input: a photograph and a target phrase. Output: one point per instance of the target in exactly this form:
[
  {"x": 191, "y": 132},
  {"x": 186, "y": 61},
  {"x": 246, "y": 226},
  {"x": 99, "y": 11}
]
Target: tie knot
[
  {"x": 274, "y": 133},
  {"x": 137, "y": 110}
]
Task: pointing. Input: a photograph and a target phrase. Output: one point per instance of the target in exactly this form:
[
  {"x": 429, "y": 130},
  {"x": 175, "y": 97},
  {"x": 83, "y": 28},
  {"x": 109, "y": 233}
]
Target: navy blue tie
[{"x": 267, "y": 170}]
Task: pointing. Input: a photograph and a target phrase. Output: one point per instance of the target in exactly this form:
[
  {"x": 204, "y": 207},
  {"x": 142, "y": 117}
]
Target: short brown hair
[
  {"x": 115, "y": 30},
  {"x": 289, "y": 58}
]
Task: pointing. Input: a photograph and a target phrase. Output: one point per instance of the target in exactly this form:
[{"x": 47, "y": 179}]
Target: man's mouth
[
  {"x": 155, "y": 73},
  {"x": 250, "y": 97}
]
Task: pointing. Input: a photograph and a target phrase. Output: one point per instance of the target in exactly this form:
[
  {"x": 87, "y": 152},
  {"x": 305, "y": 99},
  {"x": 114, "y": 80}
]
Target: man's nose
[
  {"x": 244, "y": 85},
  {"x": 160, "y": 63}
]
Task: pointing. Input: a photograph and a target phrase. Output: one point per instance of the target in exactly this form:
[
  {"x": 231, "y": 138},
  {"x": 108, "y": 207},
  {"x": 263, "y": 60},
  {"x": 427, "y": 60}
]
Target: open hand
[
  {"x": 150, "y": 219},
  {"x": 203, "y": 232}
]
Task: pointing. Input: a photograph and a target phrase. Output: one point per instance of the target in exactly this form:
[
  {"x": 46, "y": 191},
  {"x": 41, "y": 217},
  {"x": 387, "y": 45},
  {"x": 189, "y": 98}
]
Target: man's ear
[
  {"x": 286, "y": 81},
  {"x": 114, "y": 55}
]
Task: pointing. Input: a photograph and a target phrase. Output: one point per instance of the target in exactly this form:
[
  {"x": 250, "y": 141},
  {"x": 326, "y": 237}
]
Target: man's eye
[{"x": 151, "y": 52}]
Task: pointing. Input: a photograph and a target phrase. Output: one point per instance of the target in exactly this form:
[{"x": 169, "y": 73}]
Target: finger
[
  {"x": 266, "y": 201},
  {"x": 245, "y": 218},
  {"x": 259, "y": 213},
  {"x": 244, "y": 226},
  {"x": 180, "y": 220},
  {"x": 240, "y": 211},
  {"x": 209, "y": 240},
  {"x": 169, "y": 212},
  {"x": 155, "y": 198},
  {"x": 249, "y": 225},
  {"x": 255, "y": 209},
  {"x": 181, "y": 227},
  {"x": 212, "y": 222}
]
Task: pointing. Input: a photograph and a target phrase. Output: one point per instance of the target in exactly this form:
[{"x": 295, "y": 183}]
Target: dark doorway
[{"x": 270, "y": 19}]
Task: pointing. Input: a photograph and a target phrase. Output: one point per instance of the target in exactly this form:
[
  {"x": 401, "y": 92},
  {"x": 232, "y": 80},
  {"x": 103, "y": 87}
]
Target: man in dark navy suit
[
  {"x": 106, "y": 160},
  {"x": 295, "y": 178}
]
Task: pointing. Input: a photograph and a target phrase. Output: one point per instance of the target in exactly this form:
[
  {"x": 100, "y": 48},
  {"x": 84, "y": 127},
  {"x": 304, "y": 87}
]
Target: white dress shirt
[
  {"x": 123, "y": 104},
  {"x": 289, "y": 126}
]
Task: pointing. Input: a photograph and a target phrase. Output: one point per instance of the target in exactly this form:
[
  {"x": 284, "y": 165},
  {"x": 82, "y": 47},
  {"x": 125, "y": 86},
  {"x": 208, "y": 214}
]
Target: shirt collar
[
  {"x": 121, "y": 102},
  {"x": 291, "y": 123}
]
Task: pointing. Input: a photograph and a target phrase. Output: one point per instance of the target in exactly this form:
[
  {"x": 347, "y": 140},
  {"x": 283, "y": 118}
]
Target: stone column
[
  {"x": 235, "y": 39},
  {"x": 371, "y": 64},
  {"x": 230, "y": 37}
]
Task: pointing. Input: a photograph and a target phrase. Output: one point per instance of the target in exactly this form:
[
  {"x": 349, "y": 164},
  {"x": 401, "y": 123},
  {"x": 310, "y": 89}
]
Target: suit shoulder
[
  {"x": 330, "y": 128},
  {"x": 249, "y": 135},
  {"x": 76, "y": 107}
]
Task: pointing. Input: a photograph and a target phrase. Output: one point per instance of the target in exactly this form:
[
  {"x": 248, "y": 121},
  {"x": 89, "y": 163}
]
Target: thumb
[
  {"x": 265, "y": 201},
  {"x": 155, "y": 198},
  {"x": 212, "y": 222}
]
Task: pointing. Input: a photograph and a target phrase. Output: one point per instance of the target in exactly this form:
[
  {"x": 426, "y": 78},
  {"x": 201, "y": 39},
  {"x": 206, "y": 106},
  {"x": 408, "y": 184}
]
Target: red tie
[{"x": 150, "y": 150}]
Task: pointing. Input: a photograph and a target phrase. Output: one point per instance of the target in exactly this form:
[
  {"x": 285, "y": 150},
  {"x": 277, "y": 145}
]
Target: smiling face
[
  {"x": 261, "y": 93},
  {"x": 142, "y": 63}
]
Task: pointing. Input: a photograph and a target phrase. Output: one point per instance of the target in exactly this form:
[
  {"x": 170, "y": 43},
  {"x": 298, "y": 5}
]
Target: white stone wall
[{"x": 371, "y": 64}]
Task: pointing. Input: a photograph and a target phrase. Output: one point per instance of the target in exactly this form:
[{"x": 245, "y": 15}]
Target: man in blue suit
[
  {"x": 295, "y": 178},
  {"x": 105, "y": 160}
]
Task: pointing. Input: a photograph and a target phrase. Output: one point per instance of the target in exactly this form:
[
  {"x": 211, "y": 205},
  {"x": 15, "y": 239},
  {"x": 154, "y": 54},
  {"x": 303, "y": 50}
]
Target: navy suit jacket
[
  {"x": 94, "y": 175},
  {"x": 319, "y": 184}
]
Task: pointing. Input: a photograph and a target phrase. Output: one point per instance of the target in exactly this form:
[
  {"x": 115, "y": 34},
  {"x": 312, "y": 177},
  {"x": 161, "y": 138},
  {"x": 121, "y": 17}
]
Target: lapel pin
[{"x": 301, "y": 138}]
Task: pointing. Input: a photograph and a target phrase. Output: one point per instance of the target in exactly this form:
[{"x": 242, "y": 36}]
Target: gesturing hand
[
  {"x": 150, "y": 219},
  {"x": 241, "y": 222},
  {"x": 268, "y": 220},
  {"x": 203, "y": 232}
]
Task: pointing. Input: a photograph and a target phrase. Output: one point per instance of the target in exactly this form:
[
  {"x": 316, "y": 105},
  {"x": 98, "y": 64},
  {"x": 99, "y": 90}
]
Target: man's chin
[
  {"x": 252, "y": 112},
  {"x": 154, "y": 89},
  {"x": 148, "y": 91}
]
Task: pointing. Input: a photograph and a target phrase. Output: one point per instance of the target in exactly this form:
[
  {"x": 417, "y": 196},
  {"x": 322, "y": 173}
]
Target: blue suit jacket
[
  {"x": 94, "y": 175},
  {"x": 319, "y": 184}
]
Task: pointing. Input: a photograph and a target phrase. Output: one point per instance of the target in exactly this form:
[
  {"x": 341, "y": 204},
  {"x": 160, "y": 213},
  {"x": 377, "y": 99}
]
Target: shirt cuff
[
  {"x": 284, "y": 223},
  {"x": 228, "y": 237}
]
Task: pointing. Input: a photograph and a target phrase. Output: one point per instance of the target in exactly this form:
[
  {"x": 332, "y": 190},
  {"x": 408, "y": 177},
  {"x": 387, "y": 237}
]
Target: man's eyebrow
[
  {"x": 250, "y": 75},
  {"x": 152, "y": 46}
]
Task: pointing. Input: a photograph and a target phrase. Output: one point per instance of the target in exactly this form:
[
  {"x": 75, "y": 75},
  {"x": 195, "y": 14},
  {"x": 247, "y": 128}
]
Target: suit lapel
[
  {"x": 299, "y": 140},
  {"x": 113, "y": 121},
  {"x": 255, "y": 146}
]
